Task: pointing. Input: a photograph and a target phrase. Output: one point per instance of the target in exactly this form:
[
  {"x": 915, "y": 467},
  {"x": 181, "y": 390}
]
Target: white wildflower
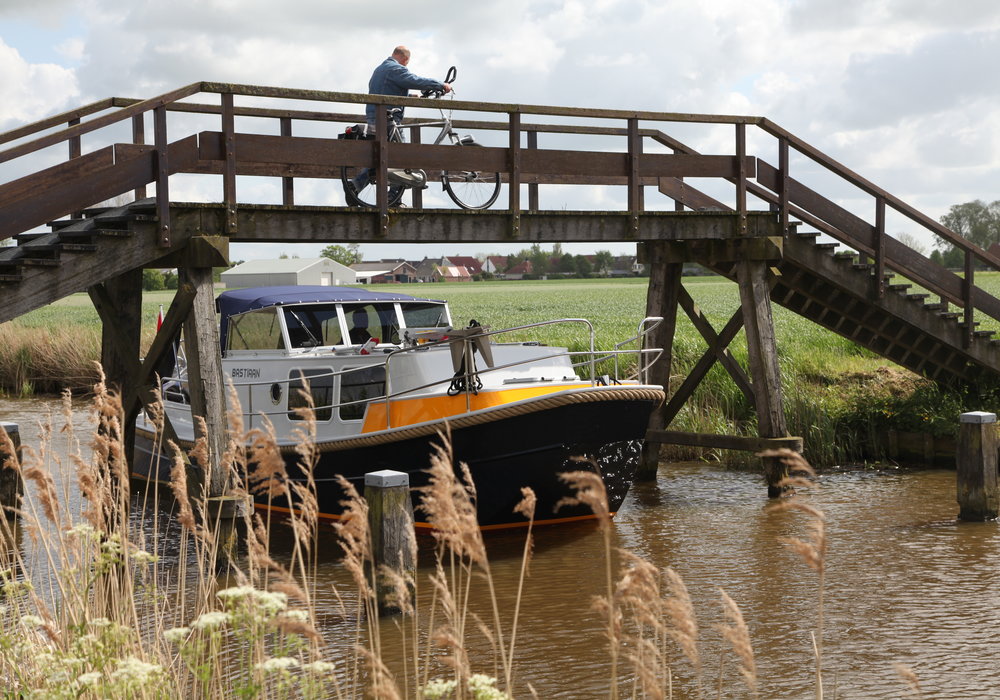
[
  {"x": 134, "y": 670},
  {"x": 272, "y": 601},
  {"x": 177, "y": 635},
  {"x": 437, "y": 689},
  {"x": 32, "y": 621},
  {"x": 143, "y": 557},
  {"x": 319, "y": 667},
  {"x": 296, "y": 615},
  {"x": 100, "y": 622},
  {"x": 112, "y": 545},
  {"x": 483, "y": 687},
  {"x": 91, "y": 678},
  {"x": 278, "y": 663},
  {"x": 83, "y": 530},
  {"x": 211, "y": 619},
  {"x": 236, "y": 593}
]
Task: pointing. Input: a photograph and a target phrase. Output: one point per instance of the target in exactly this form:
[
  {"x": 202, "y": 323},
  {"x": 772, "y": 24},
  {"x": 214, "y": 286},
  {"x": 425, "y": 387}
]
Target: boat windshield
[
  {"x": 425, "y": 315},
  {"x": 311, "y": 326}
]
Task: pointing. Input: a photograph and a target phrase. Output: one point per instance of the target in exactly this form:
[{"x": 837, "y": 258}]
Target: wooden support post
[
  {"x": 976, "y": 462},
  {"x": 120, "y": 338},
  {"x": 533, "y": 187},
  {"x": 139, "y": 138},
  {"x": 382, "y": 171},
  {"x": 11, "y": 484},
  {"x": 662, "y": 298},
  {"x": 287, "y": 183},
  {"x": 416, "y": 193},
  {"x": 229, "y": 169},
  {"x": 205, "y": 382},
  {"x": 162, "y": 177},
  {"x": 225, "y": 513},
  {"x": 762, "y": 349},
  {"x": 514, "y": 173},
  {"x": 390, "y": 521}
]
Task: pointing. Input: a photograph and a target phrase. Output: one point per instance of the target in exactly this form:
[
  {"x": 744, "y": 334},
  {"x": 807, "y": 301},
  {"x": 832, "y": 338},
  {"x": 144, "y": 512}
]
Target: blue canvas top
[{"x": 238, "y": 301}]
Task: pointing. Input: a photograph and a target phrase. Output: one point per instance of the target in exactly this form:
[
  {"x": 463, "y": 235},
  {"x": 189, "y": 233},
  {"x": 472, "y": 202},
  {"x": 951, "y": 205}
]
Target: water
[{"x": 905, "y": 583}]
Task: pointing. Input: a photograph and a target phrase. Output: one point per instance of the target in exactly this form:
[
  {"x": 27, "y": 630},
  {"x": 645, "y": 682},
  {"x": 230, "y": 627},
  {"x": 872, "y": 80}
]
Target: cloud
[{"x": 29, "y": 92}]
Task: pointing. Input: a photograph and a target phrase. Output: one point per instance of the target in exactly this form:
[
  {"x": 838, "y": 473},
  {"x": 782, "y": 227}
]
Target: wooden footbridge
[{"x": 743, "y": 213}]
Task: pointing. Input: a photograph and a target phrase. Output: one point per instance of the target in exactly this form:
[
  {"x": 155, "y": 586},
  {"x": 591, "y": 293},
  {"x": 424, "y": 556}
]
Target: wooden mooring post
[
  {"x": 976, "y": 466},
  {"x": 11, "y": 484},
  {"x": 390, "y": 521}
]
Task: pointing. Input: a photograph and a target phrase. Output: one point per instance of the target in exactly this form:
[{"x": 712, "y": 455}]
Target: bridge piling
[
  {"x": 662, "y": 298},
  {"x": 976, "y": 466},
  {"x": 11, "y": 484},
  {"x": 390, "y": 521}
]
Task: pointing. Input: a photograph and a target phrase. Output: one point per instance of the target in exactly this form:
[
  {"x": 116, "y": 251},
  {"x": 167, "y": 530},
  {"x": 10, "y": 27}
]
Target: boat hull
[{"x": 506, "y": 449}]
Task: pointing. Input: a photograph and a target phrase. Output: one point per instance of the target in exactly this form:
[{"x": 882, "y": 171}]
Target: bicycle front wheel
[
  {"x": 365, "y": 196},
  {"x": 470, "y": 189}
]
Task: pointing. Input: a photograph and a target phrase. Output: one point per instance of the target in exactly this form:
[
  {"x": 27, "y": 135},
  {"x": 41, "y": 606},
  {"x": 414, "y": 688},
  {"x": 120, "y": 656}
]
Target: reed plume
[
  {"x": 812, "y": 550},
  {"x": 735, "y": 632}
]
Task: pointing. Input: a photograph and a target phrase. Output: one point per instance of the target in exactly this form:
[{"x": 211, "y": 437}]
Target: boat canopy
[{"x": 238, "y": 301}]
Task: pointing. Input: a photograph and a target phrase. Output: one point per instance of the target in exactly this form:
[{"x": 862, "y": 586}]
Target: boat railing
[
  {"x": 586, "y": 360},
  {"x": 645, "y": 327}
]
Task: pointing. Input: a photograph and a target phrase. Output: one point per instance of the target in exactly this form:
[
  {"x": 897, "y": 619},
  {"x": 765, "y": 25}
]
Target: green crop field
[{"x": 837, "y": 395}]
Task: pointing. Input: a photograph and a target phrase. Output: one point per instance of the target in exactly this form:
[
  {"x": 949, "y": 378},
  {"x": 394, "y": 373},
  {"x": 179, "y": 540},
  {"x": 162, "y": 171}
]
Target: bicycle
[{"x": 467, "y": 188}]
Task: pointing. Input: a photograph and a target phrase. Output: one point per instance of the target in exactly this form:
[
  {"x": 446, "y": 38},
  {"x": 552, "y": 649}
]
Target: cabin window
[
  {"x": 360, "y": 385},
  {"x": 318, "y": 382},
  {"x": 366, "y": 321},
  {"x": 425, "y": 315},
  {"x": 255, "y": 330},
  {"x": 312, "y": 326}
]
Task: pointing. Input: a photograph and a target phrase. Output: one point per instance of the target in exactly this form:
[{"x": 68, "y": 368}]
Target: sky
[{"x": 902, "y": 92}]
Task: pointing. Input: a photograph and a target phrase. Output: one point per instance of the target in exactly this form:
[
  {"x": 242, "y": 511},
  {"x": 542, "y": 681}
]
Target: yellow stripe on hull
[{"x": 430, "y": 408}]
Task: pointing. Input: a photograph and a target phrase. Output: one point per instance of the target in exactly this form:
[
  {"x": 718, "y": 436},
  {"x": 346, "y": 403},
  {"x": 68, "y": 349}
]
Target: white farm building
[{"x": 269, "y": 273}]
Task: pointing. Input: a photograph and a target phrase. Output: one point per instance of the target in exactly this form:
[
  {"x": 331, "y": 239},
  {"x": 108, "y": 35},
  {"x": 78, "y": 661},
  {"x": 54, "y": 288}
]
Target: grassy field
[{"x": 837, "y": 395}]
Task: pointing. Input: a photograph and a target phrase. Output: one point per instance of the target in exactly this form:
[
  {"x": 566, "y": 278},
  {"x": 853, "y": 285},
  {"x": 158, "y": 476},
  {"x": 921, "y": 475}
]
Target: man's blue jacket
[{"x": 392, "y": 78}]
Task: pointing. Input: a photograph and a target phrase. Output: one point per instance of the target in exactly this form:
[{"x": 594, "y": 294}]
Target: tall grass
[{"x": 132, "y": 606}]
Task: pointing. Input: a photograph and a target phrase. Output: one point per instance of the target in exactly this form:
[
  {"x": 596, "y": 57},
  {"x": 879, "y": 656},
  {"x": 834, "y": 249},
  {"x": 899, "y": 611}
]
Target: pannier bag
[{"x": 358, "y": 132}]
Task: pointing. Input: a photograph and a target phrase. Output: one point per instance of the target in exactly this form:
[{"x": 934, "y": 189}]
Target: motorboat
[{"x": 388, "y": 374}]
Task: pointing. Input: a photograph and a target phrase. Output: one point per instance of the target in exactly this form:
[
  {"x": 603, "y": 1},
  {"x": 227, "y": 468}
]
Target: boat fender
[{"x": 369, "y": 345}]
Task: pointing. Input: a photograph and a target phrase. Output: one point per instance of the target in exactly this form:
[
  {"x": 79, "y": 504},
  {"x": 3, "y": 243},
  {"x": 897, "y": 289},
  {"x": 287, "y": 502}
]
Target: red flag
[{"x": 159, "y": 319}]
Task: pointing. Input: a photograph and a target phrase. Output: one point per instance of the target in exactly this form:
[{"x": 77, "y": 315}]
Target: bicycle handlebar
[{"x": 448, "y": 78}]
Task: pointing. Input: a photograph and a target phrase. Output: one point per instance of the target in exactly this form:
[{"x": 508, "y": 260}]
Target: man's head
[
  {"x": 401, "y": 54},
  {"x": 360, "y": 318}
]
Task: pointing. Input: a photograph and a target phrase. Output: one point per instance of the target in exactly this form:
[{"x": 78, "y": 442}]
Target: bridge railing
[{"x": 118, "y": 168}]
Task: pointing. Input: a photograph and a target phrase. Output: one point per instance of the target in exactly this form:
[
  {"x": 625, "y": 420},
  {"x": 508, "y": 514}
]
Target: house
[
  {"x": 288, "y": 271},
  {"x": 519, "y": 271},
  {"x": 495, "y": 265},
  {"x": 426, "y": 269},
  {"x": 626, "y": 266},
  {"x": 452, "y": 273},
  {"x": 385, "y": 271},
  {"x": 467, "y": 261}
]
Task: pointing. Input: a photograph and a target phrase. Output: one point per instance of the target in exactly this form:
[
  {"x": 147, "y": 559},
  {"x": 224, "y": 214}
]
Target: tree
[
  {"x": 976, "y": 221},
  {"x": 603, "y": 260},
  {"x": 152, "y": 280},
  {"x": 583, "y": 266},
  {"x": 345, "y": 255},
  {"x": 567, "y": 263}
]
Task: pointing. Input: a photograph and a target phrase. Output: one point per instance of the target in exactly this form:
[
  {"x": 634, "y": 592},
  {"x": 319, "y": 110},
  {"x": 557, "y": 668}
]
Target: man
[
  {"x": 391, "y": 77},
  {"x": 359, "y": 332}
]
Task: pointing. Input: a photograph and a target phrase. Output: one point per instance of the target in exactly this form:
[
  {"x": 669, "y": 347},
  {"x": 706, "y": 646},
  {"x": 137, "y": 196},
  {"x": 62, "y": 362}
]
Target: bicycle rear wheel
[
  {"x": 470, "y": 189},
  {"x": 365, "y": 197}
]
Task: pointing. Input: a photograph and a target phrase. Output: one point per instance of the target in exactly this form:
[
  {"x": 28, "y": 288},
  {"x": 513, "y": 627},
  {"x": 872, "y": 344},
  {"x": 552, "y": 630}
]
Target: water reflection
[{"x": 905, "y": 583}]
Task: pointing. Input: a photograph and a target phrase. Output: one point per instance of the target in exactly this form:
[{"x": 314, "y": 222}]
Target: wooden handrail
[{"x": 511, "y": 119}]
